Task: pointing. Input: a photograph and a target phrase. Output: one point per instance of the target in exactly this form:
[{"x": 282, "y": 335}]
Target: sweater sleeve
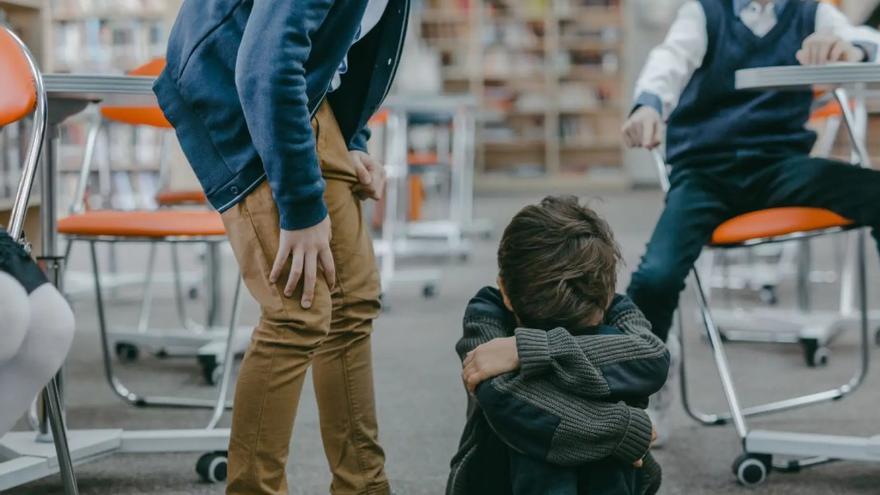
[
  {"x": 535, "y": 418},
  {"x": 485, "y": 319},
  {"x": 622, "y": 359}
]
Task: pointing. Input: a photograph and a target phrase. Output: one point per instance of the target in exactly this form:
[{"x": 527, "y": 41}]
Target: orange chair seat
[
  {"x": 776, "y": 222},
  {"x": 150, "y": 224},
  {"x": 171, "y": 198}
]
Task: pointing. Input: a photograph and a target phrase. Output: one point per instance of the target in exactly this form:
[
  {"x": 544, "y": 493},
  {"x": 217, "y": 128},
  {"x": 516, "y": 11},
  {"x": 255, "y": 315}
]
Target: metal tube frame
[
  {"x": 52, "y": 392},
  {"x": 116, "y": 385},
  {"x": 737, "y": 413}
]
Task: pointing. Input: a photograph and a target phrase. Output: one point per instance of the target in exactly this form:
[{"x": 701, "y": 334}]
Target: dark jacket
[
  {"x": 570, "y": 404},
  {"x": 244, "y": 78}
]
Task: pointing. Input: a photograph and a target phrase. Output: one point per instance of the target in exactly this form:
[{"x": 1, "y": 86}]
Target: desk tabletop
[
  {"x": 133, "y": 90},
  {"x": 796, "y": 76}
]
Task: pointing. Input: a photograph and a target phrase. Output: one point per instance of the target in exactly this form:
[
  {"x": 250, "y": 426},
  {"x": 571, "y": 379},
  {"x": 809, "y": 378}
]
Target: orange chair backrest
[
  {"x": 148, "y": 116},
  {"x": 18, "y": 91}
]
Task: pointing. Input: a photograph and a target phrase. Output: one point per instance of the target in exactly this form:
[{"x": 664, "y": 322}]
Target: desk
[
  {"x": 811, "y": 448},
  {"x": 31, "y": 457}
]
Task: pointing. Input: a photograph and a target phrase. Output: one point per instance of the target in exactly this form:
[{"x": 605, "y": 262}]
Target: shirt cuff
[
  {"x": 870, "y": 49},
  {"x": 302, "y": 214},
  {"x": 637, "y": 440},
  {"x": 533, "y": 350},
  {"x": 648, "y": 99}
]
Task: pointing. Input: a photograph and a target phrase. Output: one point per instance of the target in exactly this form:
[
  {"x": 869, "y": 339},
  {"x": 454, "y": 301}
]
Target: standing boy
[
  {"x": 733, "y": 151},
  {"x": 270, "y": 100}
]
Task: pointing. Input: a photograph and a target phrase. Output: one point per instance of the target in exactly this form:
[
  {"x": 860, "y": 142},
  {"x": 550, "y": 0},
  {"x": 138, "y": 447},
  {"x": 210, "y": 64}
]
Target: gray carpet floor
[{"x": 421, "y": 401}]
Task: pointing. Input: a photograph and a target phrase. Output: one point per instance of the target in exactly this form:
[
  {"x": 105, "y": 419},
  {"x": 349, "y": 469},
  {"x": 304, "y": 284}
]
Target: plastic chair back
[{"x": 21, "y": 94}]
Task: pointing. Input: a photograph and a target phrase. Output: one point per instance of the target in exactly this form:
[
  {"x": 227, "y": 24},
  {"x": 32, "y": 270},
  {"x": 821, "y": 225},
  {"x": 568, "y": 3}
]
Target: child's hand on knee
[
  {"x": 643, "y": 129},
  {"x": 489, "y": 360},
  {"x": 826, "y": 48}
]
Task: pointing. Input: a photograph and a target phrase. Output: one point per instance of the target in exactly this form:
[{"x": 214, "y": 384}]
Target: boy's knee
[
  {"x": 655, "y": 282},
  {"x": 15, "y": 314}
]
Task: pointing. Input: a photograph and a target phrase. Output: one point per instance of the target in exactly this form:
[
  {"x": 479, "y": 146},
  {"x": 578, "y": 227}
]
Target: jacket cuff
[
  {"x": 359, "y": 140},
  {"x": 302, "y": 214},
  {"x": 637, "y": 440},
  {"x": 533, "y": 350},
  {"x": 869, "y": 48},
  {"x": 648, "y": 99}
]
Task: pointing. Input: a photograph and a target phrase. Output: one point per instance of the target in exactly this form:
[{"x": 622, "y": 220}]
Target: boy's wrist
[
  {"x": 637, "y": 440},
  {"x": 533, "y": 350}
]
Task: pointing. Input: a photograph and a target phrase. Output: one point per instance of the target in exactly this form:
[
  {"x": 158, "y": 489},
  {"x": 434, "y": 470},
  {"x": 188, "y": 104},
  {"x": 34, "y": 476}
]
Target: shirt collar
[{"x": 740, "y": 5}]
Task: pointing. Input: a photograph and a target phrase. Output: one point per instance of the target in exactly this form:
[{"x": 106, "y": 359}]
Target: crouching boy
[{"x": 559, "y": 368}]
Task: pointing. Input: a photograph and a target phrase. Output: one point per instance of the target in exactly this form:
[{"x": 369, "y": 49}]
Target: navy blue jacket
[{"x": 244, "y": 78}]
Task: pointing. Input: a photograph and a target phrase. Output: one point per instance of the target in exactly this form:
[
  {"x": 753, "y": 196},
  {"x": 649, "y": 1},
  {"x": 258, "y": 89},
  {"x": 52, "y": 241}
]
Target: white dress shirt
[
  {"x": 671, "y": 64},
  {"x": 372, "y": 16}
]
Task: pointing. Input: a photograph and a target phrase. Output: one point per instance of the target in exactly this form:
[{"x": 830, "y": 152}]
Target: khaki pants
[{"x": 333, "y": 337}]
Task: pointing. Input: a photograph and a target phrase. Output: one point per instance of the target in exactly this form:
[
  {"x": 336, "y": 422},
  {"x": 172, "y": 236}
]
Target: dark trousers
[
  {"x": 704, "y": 195},
  {"x": 529, "y": 476}
]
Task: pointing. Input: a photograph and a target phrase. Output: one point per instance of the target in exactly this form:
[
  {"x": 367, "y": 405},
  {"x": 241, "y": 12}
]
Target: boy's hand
[
  {"x": 371, "y": 175},
  {"x": 825, "y": 48},
  {"x": 644, "y": 128},
  {"x": 308, "y": 247},
  {"x": 489, "y": 360}
]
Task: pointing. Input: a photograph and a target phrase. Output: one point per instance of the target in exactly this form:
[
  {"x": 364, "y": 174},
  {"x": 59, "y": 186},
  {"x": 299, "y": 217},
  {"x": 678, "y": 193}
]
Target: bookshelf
[{"x": 548, "y": 78}]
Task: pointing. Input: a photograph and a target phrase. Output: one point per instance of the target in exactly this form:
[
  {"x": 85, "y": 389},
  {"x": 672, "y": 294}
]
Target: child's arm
[
  {"x": 837, "y": 39},
  {"x": 535, "y": 418},
  {"x": 485, "y": 318},
  {"x": 624, "y": 359},
  {"x": 671, "y": 64}
]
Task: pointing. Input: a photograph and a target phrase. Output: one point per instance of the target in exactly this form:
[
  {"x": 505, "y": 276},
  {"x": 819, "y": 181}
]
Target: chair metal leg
[
  {"x": 228, "y": 358},
  {"x": 147, "y": 304},
  {"x": 115, "y": 384},
  {"x": 178, "y": 292},
  {"x": 52, "y": 397},
  {"x": 720, "y": 356},
  {"x": 783, "y": 405}
]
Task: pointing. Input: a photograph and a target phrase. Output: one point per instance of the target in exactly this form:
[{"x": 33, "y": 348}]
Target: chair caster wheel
[
  {"x": 211, "y": 467},
  {"x": 429, "y": 291},
  {"x": 126, "y": 352},
  {"x": 815, "y": 355},
  {"x": 752, "y": 469},
  {"x": 193, "y": 293},
  {"x": 768, "y": 295}
]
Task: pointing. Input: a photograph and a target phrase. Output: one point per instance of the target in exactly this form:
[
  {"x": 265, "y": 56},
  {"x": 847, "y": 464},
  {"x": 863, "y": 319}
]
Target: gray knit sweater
[{"x": 572, "y": 401}]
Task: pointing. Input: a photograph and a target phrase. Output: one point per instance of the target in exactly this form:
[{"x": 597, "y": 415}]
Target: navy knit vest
[{"x": 713, "y": 119}]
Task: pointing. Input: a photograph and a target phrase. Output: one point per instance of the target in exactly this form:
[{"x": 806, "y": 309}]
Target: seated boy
[
  {"x": 733, "y": 151},
  {"x": 557, "y": 403}
]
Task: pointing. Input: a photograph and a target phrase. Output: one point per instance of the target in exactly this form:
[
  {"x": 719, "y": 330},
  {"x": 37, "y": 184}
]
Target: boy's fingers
[
  {"x": 648, "y": 134},
  {"x": 639, "y": 463},
  {"x": 280, "y": 257},
  {"x": 329, "y": 267},
  {"x": 295, "y": 273},
  {"x": 837, "y": 52},
  {"x": 824, "y": 54},
  {"x": 310, "y": 271},
  {"x": 363, "y": 175}
]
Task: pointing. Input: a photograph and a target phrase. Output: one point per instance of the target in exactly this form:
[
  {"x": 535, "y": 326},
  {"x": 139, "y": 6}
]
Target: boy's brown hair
[{"x": 558, "y": 264}]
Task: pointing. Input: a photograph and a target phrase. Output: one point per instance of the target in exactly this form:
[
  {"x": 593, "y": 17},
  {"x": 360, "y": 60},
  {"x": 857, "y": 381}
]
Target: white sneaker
[{"x": 661, "y": 402}]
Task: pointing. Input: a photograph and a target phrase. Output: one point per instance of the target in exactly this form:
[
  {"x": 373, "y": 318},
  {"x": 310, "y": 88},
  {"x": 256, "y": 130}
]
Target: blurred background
[{"x": 496, "y": 104}]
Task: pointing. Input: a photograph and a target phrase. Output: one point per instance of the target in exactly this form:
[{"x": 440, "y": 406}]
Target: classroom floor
[{"x": 421, "y": 401}]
